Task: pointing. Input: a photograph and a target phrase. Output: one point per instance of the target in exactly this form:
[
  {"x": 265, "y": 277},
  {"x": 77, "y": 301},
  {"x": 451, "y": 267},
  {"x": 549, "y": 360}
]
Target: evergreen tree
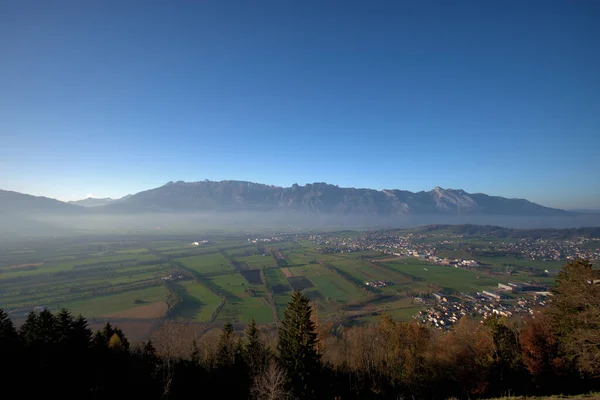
[
  {"x": 47, "y": 328},
  {"x": 8, "y": 333},
  {"x": 228, "y": 347},
  {"x": 256, "y": 353},
  {"x": 298, "y": 347},
  {"x": 230, "y": 366},
  {"x": 507, "y": 368},
  {"x": 29, "y": 330},
  {"x": 65, "y": 326},
  {"x": 10, "y": 350},
  {"x": 81, "y": 335}
]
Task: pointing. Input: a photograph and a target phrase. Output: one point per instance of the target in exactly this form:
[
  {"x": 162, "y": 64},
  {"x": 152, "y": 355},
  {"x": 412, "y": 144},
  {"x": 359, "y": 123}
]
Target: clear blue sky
[{"x": 112, "y": 97}]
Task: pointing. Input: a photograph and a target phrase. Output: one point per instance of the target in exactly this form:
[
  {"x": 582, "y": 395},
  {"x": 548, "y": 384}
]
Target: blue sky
[{"x": 111, "y": 97}]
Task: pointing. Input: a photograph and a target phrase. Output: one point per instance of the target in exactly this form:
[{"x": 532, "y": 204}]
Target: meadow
[{"x": 228, "y": 279}]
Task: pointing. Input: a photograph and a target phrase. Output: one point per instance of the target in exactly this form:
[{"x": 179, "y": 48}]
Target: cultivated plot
[
  {"x": 101, "y": 306},
  {"x": 207, "y": 264}
]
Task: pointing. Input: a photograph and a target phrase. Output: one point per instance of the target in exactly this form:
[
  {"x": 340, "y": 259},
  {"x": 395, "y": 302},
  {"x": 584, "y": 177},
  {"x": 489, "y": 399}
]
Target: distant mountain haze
[
  {"x": 19, "y": 203},
  {"x": 95, "y": 202},
  {"x": 315, "y": 198},
  {"x": 246, "y": 206}
]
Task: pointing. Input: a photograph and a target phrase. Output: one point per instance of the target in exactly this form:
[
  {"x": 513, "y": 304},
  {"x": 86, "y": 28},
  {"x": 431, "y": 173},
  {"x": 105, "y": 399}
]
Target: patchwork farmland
[{"x": 219, "y": 279}]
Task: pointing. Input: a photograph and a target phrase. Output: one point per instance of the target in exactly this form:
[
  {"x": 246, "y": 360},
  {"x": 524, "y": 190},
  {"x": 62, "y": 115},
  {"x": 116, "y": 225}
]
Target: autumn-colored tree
[
  {"x": 102, "y": 338},
  {"x": 575, "y": 315},
  {"x": 415, "y": 355},
  {"x": 115, "y": 342},
  {"x": 466, "y": 356},
  {"x": 539, "y": 348},
  {"x": 361, "y": 352}
]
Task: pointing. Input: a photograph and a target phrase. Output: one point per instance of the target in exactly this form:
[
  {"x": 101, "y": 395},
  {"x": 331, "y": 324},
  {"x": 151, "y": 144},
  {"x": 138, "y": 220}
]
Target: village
[
  {"x": 448, "y": 310},
  {"x": 430, "y": 247}
]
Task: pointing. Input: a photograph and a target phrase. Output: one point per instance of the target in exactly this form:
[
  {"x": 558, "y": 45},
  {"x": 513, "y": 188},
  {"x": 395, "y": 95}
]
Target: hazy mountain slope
[
  {"x": 19, "y": 203},
  {"x": 92, "y": 202},
  {"x": 95, "y": 202},
  {"x": 322, "y": 198}
]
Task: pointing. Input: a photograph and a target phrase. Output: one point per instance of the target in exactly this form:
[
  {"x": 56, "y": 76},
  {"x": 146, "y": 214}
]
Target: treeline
[
  {"x": 556, "y": 350},
  {"x": 501, "y": 232},
  {"x": 350, "y": 279}
]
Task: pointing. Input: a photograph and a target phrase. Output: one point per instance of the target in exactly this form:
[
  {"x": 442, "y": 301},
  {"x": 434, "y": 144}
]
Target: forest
[{"x": 556, "y": 350}]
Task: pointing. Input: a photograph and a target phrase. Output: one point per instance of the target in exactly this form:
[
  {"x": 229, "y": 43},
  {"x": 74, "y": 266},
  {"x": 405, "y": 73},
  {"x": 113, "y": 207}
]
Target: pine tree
[
  {"x": 256, "y": 353},
  {"x": 81, "y": 334},
  {"x": 298, "y": 347},
  {"x": 65, "y": 326},
  {"x": 8, "y": 333},
  {"x": 11, "y": 358},
  {"x": 230, "y": 366},
  {"x": 29, "y": 330},
  {"x": 228, "y": 347},
  {"x": 48, "y": 328}
]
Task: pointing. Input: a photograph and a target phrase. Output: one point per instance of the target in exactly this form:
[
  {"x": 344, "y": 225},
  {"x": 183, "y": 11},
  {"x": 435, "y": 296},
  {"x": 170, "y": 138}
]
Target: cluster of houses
[
  {"x": 171, "y": 277},
  {"x": 551, "y": 249},
  {"x": 522, "y": 288},
  {"x": 378, "y": 284},
  {"x": 449, "y": 310},
  {"x": 414, "y": 245}
]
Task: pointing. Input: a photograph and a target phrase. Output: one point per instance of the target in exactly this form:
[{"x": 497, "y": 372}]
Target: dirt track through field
[{"x": 286, "y": 271}]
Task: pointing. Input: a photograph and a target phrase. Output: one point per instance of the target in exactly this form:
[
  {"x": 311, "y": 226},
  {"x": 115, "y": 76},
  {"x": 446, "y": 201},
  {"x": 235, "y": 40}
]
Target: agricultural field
[
  {"x": 258, "y": 261},
  {"x": 232, "y": 278},
  {"x": 207, "y": 264},
  {"x": 103, "y": 306},
  {"x": 197, "y": 302},
  {"x": 449, "y": 279}
]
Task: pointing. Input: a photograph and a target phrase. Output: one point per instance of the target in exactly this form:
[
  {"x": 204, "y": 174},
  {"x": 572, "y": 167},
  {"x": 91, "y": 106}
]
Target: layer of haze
[
  {"x": 113, "y": 97},
  {"x": 18, "y": 228}
]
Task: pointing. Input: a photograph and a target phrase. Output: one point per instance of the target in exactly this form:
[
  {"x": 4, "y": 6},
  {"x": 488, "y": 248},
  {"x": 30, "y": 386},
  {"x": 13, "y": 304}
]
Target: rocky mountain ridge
[{"x": 321, "y": 198}]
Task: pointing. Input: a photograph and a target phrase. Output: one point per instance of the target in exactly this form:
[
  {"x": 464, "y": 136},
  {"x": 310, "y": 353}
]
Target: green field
[
  {"x": 449, "y": 278},
  {"x": 198, "y": 302},
  {"x": 103, "y": 305},
  {"x": 242, "y": 311},
  {"x": 207, "y": 264},
  {"x": 259, "y": 261},
  {"x": 224, "y": 280},
  {"x": 502, "y": 262},
  {"x": 275, "y": 277}
]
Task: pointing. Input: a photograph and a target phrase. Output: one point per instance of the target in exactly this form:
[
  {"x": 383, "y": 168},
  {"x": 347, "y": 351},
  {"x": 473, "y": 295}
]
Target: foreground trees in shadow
[{"x": 556, "y": 350}]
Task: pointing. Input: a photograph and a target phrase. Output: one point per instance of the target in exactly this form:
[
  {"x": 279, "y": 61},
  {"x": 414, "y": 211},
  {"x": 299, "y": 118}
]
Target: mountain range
[{"x": 315, "y": 198}]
